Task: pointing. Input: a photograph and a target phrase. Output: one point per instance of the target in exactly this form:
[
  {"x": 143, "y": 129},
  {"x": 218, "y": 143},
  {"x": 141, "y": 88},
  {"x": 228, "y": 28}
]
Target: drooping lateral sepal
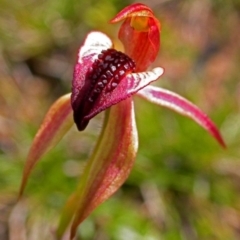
[
  {"x": 56, "y": 123},
  {"x": 109, "y": 166},
  {"x": 181, "y": 105}
]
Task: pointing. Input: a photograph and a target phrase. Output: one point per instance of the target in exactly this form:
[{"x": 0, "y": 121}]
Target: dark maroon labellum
[{"x": 103, "y": 77}]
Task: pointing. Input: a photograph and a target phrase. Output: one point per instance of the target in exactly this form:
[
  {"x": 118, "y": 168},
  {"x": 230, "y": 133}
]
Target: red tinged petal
[
  {"x": 110, "y": 164},
  {"x": 102, "y": 78},
  {"x": 93, "y": 45},
  {"x": 56, "y": 123},
  {"x": 177, "y": 103},
  {"x": 140, "y": 34},
  {"x": 128, "y": 86},
  {"x": 89, "y": 101}
]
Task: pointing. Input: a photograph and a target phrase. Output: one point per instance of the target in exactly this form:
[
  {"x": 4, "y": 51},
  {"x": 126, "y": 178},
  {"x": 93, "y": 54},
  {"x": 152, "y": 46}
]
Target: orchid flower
[{"x": 106, "y": 79}]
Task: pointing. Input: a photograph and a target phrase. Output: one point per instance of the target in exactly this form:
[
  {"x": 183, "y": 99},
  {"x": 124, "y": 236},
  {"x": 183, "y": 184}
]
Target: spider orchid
[{"x": 106, "y": 79}]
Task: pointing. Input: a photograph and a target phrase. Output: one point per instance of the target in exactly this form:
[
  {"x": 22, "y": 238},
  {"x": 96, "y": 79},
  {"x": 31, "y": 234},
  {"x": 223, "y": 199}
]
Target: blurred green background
[{"x": 183, "y": 185}]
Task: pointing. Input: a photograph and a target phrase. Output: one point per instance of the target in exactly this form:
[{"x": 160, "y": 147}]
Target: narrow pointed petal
[
  {"x": 139, "y": 33},
  {"x": 110, "y": 163},
  {"x": 177, "y": 103},
  {"x": 128, "y": 86},
  {"x": 56, "y": 123}
]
